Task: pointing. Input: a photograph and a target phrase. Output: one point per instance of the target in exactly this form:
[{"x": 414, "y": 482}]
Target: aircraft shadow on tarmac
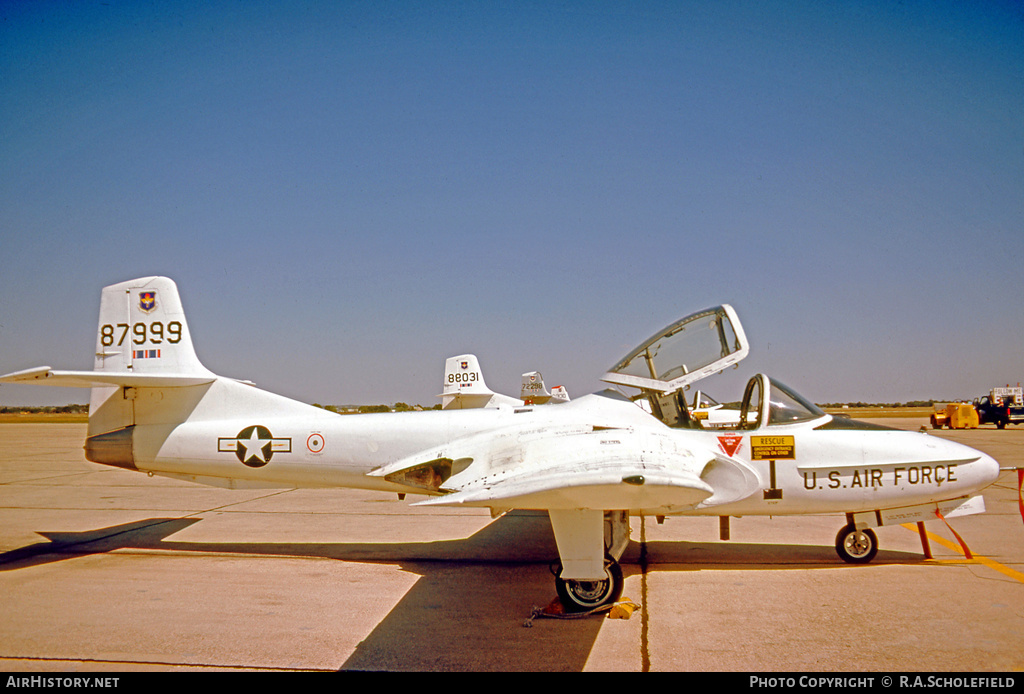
[{"x": 466, "y": 610}]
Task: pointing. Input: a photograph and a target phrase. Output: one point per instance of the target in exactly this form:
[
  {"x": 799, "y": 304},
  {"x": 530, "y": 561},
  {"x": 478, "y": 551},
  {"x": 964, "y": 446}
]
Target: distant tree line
[
  {"x": 910, "y": 403},
  {"x": 365, "y": 409},
  {"x": 49, "y": 409}
]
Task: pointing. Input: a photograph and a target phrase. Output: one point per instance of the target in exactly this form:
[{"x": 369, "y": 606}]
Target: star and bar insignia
[{"x": 254, "y": 445}]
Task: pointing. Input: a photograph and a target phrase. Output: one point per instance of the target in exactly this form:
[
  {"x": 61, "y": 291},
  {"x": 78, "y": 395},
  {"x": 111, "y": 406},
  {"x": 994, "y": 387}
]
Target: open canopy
[{"x": 684, "y": 352}]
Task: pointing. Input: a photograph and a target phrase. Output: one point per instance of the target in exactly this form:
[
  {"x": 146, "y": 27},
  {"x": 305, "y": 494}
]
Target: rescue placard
[{"x": 772, "y": 448}]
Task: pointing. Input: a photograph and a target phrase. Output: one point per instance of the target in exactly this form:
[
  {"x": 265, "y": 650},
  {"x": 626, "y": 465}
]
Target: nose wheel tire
[
  {"x": 583, "y": 596},
  {"x": 856, "y": 546}
]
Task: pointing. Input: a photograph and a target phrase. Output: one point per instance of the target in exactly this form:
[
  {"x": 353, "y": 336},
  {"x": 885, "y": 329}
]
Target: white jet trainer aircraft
[{"x": 590, "y": 463}]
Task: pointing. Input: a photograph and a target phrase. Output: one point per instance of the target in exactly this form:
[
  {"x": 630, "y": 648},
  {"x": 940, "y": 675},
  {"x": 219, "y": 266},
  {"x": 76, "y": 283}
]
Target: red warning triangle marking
[{"x": 730, "y": 443}]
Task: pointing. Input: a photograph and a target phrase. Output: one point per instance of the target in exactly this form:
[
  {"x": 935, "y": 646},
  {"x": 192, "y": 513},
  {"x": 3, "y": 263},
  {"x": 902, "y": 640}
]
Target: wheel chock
[
  {"x": 555, "y": 608},
  {"x": 620, "y": 610}
]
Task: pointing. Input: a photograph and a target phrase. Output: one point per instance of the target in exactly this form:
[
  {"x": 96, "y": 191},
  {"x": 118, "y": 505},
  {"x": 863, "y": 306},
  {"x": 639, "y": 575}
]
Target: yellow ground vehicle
[{"x": 955, "y": 415}]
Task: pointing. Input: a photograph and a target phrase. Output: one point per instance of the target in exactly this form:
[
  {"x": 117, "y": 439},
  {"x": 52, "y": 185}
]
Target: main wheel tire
[
  {"x": 583, "y": 596},
  {"x": 856, "y": 546}
]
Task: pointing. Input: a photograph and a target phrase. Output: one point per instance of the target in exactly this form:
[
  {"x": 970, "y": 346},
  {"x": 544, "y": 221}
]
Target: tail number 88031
[
  {"x": 467, "y": 377},
  {"x": 154, "y": 333}
]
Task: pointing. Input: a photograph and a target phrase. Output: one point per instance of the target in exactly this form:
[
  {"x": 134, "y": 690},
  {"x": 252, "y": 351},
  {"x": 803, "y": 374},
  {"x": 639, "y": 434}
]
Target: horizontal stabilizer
[{"x": 45, "y": 376}]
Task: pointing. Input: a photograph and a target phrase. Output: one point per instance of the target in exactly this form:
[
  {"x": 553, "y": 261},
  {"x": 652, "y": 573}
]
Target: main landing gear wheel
[
  {"x": 856, "y": 546},
  {"x": 583, "y": 596}
]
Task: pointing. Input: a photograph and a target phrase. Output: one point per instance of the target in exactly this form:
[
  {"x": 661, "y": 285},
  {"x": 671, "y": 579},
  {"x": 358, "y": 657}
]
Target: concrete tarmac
[{"x": 108, "y": 570}]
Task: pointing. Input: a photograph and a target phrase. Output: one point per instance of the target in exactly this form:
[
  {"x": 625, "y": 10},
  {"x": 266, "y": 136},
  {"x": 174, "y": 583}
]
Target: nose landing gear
[{"x": 856, "y": 546}]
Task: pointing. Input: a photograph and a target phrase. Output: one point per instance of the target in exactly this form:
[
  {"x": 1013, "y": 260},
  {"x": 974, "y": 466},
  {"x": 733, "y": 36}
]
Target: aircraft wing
[
  {"x": 594, "y": 468},
  {"x": 612, "y": 485},
  {"x": 45, "y": 376}
]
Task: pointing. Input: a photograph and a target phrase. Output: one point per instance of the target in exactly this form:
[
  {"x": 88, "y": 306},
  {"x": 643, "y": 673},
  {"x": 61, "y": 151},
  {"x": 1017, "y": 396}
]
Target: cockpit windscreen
[{"x": 787, "y": 407}]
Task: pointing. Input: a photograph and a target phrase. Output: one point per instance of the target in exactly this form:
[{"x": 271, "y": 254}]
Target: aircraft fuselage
[{"x": 810, "y": 467}]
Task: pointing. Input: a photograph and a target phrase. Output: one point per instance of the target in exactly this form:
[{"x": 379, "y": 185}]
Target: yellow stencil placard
[{"x": 772, "y": 448}]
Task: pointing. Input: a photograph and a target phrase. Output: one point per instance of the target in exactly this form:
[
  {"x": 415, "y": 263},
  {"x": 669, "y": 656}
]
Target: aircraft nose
[
  {"x": 985, "y": 469},
  {"x": 972, "y": 469},
  {"x": 989, "y": 466}
]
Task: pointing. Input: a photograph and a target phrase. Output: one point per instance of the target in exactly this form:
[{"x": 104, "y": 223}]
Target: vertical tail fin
[
  {"x": 464, "y": 386},
  {"x": 142, "y": 330},
  {"x": 534, "y": 392},
  {"x": 142, "y": 342}
]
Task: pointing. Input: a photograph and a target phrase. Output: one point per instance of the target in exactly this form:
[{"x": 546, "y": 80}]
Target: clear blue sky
[{"x": 349, "y": 192}]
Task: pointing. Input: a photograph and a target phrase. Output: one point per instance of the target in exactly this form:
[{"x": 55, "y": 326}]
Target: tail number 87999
[{"x": 153, "y": 333}]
